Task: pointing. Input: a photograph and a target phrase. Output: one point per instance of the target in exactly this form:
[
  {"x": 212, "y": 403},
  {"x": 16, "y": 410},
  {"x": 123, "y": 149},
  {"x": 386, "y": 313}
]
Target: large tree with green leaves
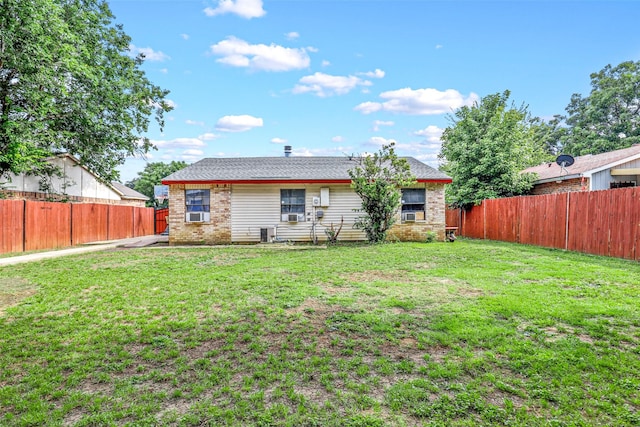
[
  {"x": 485, "y": 149},
  {"x": 378, "y": 179},
  {"x": 69, "y": 84},
  {"x": 608, "y": 119},
  {"x": 152, "y": 175}
]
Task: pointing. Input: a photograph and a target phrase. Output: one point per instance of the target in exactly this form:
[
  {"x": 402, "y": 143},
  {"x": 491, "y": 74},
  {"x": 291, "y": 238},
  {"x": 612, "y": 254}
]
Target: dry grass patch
[{"x": 13, "y": 290}]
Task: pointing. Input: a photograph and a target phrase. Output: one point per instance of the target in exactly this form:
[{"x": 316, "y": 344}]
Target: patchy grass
[{"x": 471, "y": 333}]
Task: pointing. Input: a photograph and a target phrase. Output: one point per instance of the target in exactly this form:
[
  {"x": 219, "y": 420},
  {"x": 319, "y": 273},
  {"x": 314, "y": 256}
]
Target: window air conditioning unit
[
  {"x": 410, "y": 216},
  {"x": 292, "y": 217},
  {"x": 195, "y": 217}
]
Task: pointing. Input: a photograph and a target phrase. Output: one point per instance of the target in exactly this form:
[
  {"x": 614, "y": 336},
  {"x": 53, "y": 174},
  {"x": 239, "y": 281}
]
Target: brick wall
[
  {"x": 214, "y": 232},
  {"x": 435, "y": 211},
  {"x": 565, "y": 186},
  {"x": 218, "y": 229}
]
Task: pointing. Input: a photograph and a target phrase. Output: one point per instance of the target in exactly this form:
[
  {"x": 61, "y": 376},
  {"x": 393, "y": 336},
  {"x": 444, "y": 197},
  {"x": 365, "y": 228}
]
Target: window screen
[
  {"x": 413, "y": 199},
  {"x": 291, "y": 201},
  {"x": 197, "y": 200}
]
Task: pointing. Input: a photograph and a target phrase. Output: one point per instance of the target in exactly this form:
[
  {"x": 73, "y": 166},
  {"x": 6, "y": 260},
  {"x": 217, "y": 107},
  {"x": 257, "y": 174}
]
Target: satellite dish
[{"x": 564, "y": 160}]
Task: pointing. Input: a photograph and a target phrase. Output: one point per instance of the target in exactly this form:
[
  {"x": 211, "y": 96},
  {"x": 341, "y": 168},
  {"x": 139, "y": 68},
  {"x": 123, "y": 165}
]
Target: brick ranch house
[
  {"x": 263, "y": 199},
  {"x": 614, "y": 169}
]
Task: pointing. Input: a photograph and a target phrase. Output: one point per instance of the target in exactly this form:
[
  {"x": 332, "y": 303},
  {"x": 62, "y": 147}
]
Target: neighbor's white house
[
  {"x": 262, "y": 199},
  {"x": 76, "y": 184}
]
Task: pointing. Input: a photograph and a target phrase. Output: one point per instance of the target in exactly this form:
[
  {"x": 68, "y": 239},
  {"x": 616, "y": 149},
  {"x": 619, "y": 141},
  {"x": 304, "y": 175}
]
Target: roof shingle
[
  {"x": 256, "y": 169},
  {"x": 583, "y": 164}
]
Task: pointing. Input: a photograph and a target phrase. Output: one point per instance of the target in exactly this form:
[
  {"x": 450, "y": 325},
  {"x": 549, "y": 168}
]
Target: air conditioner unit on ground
[
  {"x": 195, "y": 216},
  {"x": 410, "y": 216},
  {"x": 292, "y": 217},
  {"x": 267, "y": 234}
]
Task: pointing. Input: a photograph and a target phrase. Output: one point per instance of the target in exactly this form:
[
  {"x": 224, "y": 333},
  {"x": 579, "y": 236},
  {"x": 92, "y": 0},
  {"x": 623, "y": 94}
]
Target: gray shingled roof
[
  {"x": 284, "y": 169},
  {"x": 583, "y": 164},
  {"x": 128, "y": 193}
]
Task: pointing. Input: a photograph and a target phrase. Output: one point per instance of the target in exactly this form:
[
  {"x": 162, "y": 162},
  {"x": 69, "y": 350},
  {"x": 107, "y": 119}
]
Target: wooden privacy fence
[
  {"x": 27, "y": 225},
  {"x": 603, "y": 222}
]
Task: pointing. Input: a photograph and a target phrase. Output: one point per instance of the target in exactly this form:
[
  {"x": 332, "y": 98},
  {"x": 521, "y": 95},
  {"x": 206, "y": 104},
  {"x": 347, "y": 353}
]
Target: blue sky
[{"x": 345, "y": 76}]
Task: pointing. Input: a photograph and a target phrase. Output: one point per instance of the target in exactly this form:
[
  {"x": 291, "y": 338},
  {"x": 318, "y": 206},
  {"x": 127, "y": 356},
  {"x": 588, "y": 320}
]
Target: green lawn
[{"x": 464, "y": 334}]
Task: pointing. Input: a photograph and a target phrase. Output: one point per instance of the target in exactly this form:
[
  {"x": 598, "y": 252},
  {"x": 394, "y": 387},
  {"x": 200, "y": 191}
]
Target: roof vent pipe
[{"x": 287, "y": 150}]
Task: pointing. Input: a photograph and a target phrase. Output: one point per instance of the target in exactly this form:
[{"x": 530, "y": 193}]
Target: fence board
[
  {"x": 473, "y": 222},
  {"x": 624, "y": 222},
  {"x": 47, "y": 225},
  {"x": 543, "y": 220},
  {"x": 11, "y": 225},
  {"x": 88, "y": 223},
  {"x": 120, "y": 222},
  {"x": 507, "y": 211},
  {"x": 143, "y": 224},
  {"x": 162, "y": 214},
  {"x": 578, "y": 219}
]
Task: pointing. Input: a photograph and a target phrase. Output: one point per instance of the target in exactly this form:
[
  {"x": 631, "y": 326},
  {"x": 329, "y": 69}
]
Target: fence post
[
  {"x": 566, "y": 225},
  {"x": 24, "y": 225},
  {"x": 484, "y": 220}
]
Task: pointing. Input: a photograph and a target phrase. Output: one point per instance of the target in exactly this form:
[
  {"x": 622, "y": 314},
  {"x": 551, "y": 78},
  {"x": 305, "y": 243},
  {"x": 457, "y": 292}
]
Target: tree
[
  {"x": 68, "y": 84},
  {"x": 485, "y": 149},
  {"x": 609, "y": 118},
  {"x": 377, "y": 179},
  {"x": 152, "y": 175}
]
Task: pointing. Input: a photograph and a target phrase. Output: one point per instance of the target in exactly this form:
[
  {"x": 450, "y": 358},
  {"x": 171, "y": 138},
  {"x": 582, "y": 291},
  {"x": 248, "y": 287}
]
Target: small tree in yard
[{"x": 377, "y": 179}]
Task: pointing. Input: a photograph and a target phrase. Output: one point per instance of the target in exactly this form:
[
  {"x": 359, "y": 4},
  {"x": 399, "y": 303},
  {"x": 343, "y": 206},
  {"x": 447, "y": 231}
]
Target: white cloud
[
  {"x": 368, "y": 107},
  {"x": 171, "y": 103},
  {"x": 239, "y": 53},
  {"x": 378, "y": 123},
  {"x": 418, "y": 102},
  {"x": 193, "y": 152},
  {"x": 310, "y": 152},
  {"x": 245, "y": 8},
  {"x": 325, "y": 63},
  {"x": 337, "y": 138},
  {"x": 149, "y": 53},
  {"x": 238, "y": 123},
  {"x": 164, "y": 70},
  {"x": 431, "y": 133},
  {"x": 439, "y": 46},
  {"x": 278, "y": 141},
  {"x": 292, "y": 35},
  {"x": 194, "y": 122},
  {"x": 178, "y": 143},
  {"x": 427, "y": 153},
  {"x": 380, "y": 141},
  {"x": 208, "y": 136},
  {"x": 377, "y": 74},
  {"x": 184, "y": 36},
  {"x": 323, "y": 85}
]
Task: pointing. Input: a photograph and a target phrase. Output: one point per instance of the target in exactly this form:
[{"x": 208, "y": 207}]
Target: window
[
  {"x": 292, "y": 202},
  {"x": 413, "y": 202},
  {"x": 197, "y": 200}
]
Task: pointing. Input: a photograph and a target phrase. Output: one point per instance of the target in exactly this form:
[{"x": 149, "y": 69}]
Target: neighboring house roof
[
  {"x": 128, "y": 193},
  {"x": 584, "y": 165},
  {"x": 269, "y": 170}
]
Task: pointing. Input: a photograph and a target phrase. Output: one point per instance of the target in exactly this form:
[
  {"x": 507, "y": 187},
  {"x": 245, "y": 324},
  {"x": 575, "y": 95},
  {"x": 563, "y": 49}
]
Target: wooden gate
[{"x": 161, "y": 220}]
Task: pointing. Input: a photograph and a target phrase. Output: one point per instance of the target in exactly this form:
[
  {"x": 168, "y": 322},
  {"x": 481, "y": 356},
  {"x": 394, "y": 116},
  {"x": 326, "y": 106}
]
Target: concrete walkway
[{"x": 134, "y": 242}]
